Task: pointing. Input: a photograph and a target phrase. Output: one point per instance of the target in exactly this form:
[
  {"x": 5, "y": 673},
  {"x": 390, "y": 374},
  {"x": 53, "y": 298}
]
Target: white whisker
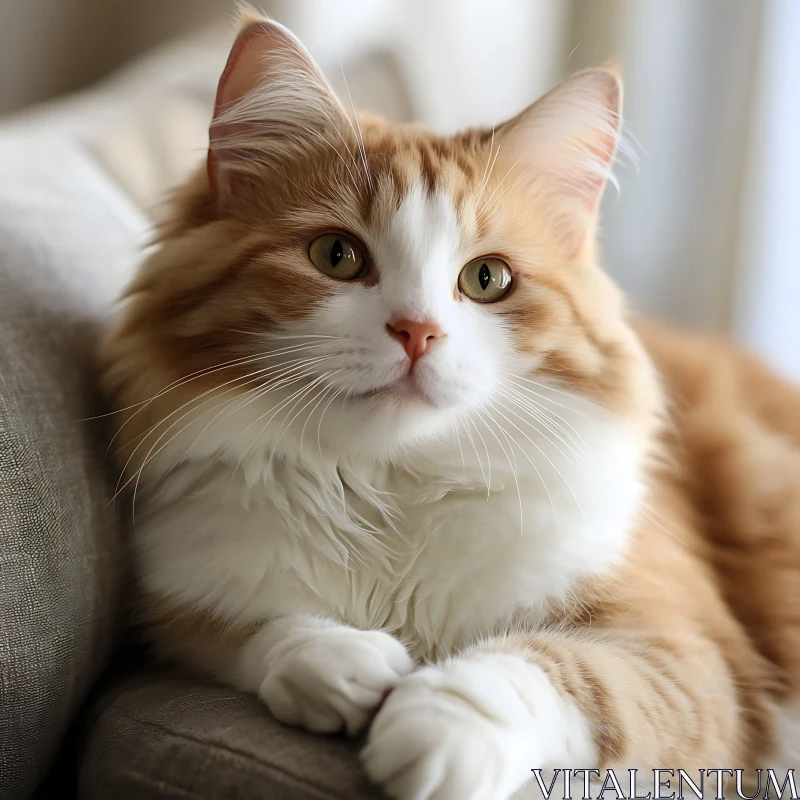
[
  {"x": 176, "y": 384},
  {"x": 298, "y": 364},
  {"x": 488, "y": 457},
  {"x": 454, "y": 425},
  {"x": 548, "y": 388},
  {"x": 487, "y": 171},
  {"x": 359, "y": 135},
  {"x": 542, "y": 452},
  {"x": 288, "y": 423},
  {"x": 512, "y": 466},
  {"x": 538, "y": 414},
  {"x": 321, "y": 416},
  {"x": 477, "y": 456}
]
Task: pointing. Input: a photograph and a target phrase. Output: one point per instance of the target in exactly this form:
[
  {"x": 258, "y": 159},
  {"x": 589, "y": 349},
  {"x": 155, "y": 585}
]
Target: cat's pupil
[
  {"x": 484, "y": 276},
  {"x": 337, "y": 252}
]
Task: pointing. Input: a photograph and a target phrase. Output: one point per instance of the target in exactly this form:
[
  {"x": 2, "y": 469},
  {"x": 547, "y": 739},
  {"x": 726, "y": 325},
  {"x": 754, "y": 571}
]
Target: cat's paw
[
  {"x": 332, "y": 679},
  {"x": 463, "y": 731}
]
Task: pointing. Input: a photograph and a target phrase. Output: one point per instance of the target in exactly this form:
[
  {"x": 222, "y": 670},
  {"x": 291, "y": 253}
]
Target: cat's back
[
  {"x": 734, "y": 445},
  {"x": 704, "y": 372}
]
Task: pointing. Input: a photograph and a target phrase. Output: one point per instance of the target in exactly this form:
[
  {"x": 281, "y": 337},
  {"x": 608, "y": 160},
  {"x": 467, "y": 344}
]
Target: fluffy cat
[{"x": 402, "y": 462}]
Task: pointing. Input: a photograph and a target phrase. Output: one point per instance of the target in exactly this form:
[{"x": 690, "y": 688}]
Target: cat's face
[
  {"x": 425, "y": 302},
  {"x": 380, "y": 284},
  {"x": 404, "y": 335}
]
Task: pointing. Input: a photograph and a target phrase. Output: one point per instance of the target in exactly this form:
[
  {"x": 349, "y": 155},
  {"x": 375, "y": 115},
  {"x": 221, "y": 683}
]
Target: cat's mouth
[{"x": 405, "y": 390}]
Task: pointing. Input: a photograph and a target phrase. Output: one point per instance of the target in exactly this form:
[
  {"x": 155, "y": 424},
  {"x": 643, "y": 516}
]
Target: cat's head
[{"x": 364, "y": 284}]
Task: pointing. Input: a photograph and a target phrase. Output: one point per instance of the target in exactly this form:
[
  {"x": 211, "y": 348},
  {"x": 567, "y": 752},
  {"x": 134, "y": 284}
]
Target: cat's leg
[
  {"x": 474, "y": 726},
  {"x": 311, "y": 671}
]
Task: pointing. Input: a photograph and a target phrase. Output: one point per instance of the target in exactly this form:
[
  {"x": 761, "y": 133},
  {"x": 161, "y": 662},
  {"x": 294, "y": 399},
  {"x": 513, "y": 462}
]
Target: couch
[{"x": 83, "y": 713}]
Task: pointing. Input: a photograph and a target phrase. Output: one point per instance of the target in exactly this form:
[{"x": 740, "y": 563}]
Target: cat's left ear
[
  {"x": 567, "y": 140},
  {"x": 273, "y": 103}
]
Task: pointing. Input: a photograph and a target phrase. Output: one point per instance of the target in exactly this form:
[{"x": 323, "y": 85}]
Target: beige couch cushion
[
  {"x": 67, "y": 237},
  {"x": 160, "y": 736}
]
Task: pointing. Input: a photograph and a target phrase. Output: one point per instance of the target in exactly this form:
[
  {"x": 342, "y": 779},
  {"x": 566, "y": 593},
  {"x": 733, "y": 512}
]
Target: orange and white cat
[{"x": 403, "y": 463}]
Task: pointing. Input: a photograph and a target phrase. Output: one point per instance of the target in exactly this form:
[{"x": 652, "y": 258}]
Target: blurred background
[{"x": 703, "y": 231}]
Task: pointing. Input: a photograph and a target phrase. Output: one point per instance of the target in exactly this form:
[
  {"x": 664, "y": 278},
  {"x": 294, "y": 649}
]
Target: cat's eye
[
  {"x": 485, "y": 280},
  {"x": 338, "y": 256}
]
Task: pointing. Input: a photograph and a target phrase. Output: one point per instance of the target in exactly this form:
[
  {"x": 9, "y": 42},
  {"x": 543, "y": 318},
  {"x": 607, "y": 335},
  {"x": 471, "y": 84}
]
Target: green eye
[
  {"x": 337, "y": 256},
  {"x": 485, "y": 280}
]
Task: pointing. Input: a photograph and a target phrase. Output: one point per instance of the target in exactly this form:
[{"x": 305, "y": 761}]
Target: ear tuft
[
  {"x": 272, "y": 102},
  {"x": 246, "y": 15}
]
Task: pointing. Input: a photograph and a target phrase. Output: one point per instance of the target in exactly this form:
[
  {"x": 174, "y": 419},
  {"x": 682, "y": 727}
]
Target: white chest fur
[{"x": 430, "y": 554}]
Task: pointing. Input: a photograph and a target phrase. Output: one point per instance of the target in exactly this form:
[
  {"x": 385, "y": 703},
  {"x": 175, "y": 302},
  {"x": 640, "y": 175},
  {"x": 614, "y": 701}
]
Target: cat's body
[
  {"x": 423, "y": 567},
  {"x": 594, "y": 541}
]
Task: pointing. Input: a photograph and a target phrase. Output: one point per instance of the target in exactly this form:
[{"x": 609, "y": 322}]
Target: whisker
[
  {"x": 542, "y": 452},
  {"x": 543, "y": 482},
  {"x": 341, "y": 157},
  {"x": 549, "y": 423},
  {"x": 287, "y": 424},
  {"x": 250, "y": 377},
  {"x": 272, "y": 416},
  {"x": 550, "y": 429},
  {"x": 203, "y": 373},
  {"x": 546, "y": 387},
  {"x": 267, "y": 335},
  {"x": 513, "y": 468},
  {"x": 488, "y": 457},
  {"x": 179, "y": 381},
  {"x": 545, "y": 435},
  {"x": 321, "y": 416},
  {"x": 480, "y": 463},
  {"x": 353, "y": 159},
  {"x": 321, "y": 399},
  {"x": 136, "y": 477},
  {"x": 487, "y": 172},
  {"x": 229, "y": 407},
  {"x": 454, "y": 425},
  {"x": 360, "y": 136},
  {"x": 652, "y": 515},
  {"x": 150, "y": 455},
  {"x": 497, "y": 200},
  {"x": 533, "y": 394},
  {"x": 297, "y": 365}
]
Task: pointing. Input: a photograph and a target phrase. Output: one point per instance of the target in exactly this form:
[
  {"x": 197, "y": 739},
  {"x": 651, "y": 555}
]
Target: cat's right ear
[
  {"x": 567, "y": 141},
  {"x": 272, "y": 102}
]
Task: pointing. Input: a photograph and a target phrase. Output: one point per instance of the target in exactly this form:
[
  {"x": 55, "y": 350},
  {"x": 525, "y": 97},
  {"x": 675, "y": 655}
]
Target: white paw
[
  {"x": 332, "y": 678},
  {"x": 463, "y": 731}
]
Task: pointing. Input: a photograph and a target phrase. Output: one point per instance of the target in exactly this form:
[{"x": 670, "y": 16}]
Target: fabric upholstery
[
  {"x": 66, "y": 241},
  {"x": 161, "y": 736}
]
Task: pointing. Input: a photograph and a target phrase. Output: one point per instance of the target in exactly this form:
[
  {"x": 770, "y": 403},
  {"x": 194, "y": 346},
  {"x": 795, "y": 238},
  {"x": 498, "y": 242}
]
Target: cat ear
[
  {"x": 272, "y": 102},
  {"x": 568, "y": 140}
]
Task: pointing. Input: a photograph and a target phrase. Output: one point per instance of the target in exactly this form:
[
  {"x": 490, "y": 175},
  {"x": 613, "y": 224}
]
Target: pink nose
[{"x": 414, "y": 336}]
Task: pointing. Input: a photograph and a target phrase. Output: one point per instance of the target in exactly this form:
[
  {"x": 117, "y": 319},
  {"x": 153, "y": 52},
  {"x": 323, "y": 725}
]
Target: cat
[{"x": 402, "y": 463}]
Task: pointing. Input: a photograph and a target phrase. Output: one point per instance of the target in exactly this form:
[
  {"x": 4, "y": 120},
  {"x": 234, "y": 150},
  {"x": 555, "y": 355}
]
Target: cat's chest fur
[{"x": 430, "y": 554}]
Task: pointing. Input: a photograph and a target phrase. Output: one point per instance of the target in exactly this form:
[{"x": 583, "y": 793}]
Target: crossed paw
[
  {"x": 456, "y": 731},
  {"x": 333, "y": 679}
]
